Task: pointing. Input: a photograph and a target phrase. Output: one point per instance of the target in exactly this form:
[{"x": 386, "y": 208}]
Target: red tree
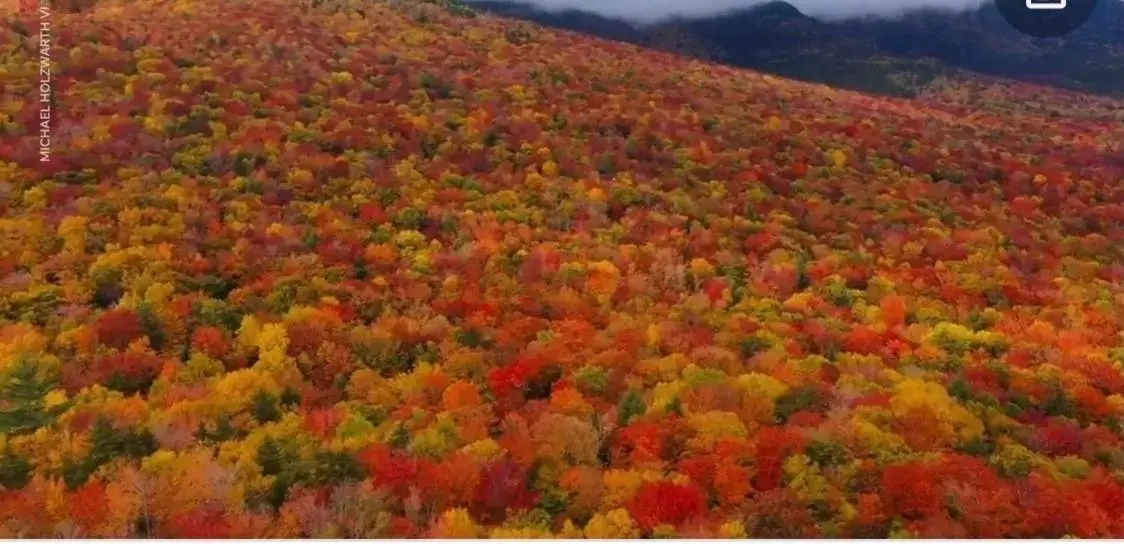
[
  {"x": 661, "y": 502},
  {"x": 118, "y": 327}
]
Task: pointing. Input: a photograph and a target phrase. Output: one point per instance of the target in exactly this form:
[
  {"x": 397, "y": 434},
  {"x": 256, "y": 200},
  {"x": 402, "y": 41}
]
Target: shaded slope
[
  {"x": 896, "y": 56},
  {"x": 1090, "y": 59}
]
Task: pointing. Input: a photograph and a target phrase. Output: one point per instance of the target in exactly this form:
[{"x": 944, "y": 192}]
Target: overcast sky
[{"x": 647, "y": 10}]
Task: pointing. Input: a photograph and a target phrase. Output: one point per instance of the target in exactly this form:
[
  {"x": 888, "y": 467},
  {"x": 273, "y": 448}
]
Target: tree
[
  {"x": 911, "y": 491},
  {"x": 118, "y": 327},
  {"x": 15, "y": 470},
  {"x": 615, "y": 524},
  {"x": 631, "y": 406},
  {"x": 106, "y": 444},
  {"x": 23, "y": 390},
  {"x": 565, "y": 438},
  {"x": 780, "y": 514},
  {"x": 665, "y": 502},
  {"x": 503, "y": 487}
]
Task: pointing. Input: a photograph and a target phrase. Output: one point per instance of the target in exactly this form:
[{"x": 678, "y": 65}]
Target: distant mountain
[
  {"x": 1089, "y": 59},
  {"x": 778, "y": 38},
  {"x": 894, "y": 56},
  {"x": 571, "y": 20}
]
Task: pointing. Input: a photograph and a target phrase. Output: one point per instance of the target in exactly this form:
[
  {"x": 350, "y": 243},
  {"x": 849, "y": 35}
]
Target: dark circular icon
[{"x": 1046, "y": 18}]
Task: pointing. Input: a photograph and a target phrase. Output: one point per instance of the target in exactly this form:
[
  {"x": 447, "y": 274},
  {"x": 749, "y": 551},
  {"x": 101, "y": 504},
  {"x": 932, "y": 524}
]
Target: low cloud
[{"x": 650, "y": 10}]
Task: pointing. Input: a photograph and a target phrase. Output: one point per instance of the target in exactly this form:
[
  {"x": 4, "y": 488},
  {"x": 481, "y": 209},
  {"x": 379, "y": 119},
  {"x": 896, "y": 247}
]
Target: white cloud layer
[{"x": 648, "y": 10}]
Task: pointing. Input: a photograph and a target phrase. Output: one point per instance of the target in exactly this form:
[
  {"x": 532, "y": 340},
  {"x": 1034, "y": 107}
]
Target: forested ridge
[{"x": 366, "y": 269}]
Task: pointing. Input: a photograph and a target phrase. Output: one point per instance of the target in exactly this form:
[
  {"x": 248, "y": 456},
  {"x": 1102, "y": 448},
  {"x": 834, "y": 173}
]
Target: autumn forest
[{"x": 397, "y": 269}]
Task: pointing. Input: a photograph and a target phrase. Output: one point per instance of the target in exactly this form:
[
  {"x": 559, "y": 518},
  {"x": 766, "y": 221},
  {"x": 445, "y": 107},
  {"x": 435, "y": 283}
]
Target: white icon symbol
[{"x": 1045, "y": 4}]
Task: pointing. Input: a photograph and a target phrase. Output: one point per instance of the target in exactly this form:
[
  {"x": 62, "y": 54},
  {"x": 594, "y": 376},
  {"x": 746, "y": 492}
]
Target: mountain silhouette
[{"x": 889, "y": 55}]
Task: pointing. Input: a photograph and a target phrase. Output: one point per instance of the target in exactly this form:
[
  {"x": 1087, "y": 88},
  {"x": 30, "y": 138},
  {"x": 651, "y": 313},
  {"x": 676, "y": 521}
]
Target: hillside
[
  {"x": 895, "y": 56},
  {"x": 367, "y": 269}
]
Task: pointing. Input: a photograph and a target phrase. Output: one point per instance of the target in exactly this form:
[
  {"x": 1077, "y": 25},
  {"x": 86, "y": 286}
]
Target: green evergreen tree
[
  {"x": 272, "y": 457},
  {"x": 15, "y": 470},
  {"x": 265, "y": 408},
  {"x": 632, "y": 405},
  {"x": 22, "y": 393}
]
